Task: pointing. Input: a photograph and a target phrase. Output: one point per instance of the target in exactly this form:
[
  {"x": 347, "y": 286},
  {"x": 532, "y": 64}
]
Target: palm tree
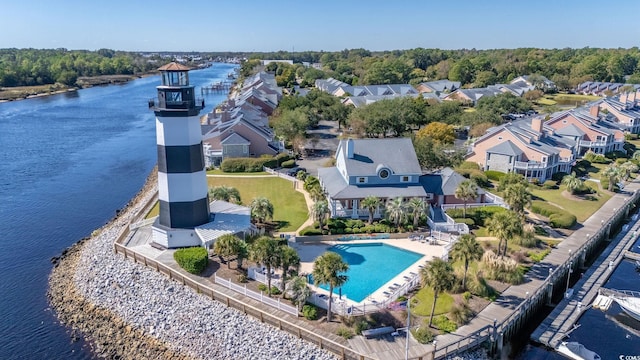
[
  {"x": 418, "y": 208},
  {"x": 261, "y": 209},
  {"x": 466, "y": 191},
  {"x": 395, "y": 211},
  {"x": 297, "y": 290},
  {"x": 319, "y": 211},
  {"x": 613, "y": 174},
  {"x": 329, "y": 268},
  {"x": 628, "y": 168},
  {"x": 510, "y": 178},
  {"x": 242, "y": 253},
  {"x": 316, "y": 193},
  {"x": 226, "y": 245},
  {"x": 438, "y": 275},
  {"x": 289, "y": 259},
  {"x": 517, "y": 196},
  {"x": 467, "y": 249},
  {"x": 225, "y": 193},
  {"x": 504, "y": 225},
  {"x": 572, "y": 182},
  {"x": 371, "y": 203},
  {"x": 266, "y": 251}
]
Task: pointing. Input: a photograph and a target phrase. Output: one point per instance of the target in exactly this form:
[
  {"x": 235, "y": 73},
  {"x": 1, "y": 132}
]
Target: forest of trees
[
  {"x": 27, "y": 67},
  {"x": 474, "y": 68}
]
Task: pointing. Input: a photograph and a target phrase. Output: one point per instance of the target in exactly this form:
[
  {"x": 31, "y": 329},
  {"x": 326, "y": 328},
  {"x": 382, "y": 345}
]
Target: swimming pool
[{"x": 371, "y": 265}]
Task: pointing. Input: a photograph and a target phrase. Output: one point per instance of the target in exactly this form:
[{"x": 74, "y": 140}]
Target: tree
[
  {"x": 572, "y": 182},
  {"x": 517, "y": 196},
  {"x": 319, "y": 211},
  {"x": 511, "y": 178},
  {"x": 466, "y": 249},
  {"x": 466, "y": 191},
  {"x": 371, "y": 203},
  {"x": 289, "y": 260},
  {"x": 418, "y": 208},
  {"x": 225, "y": 193},
  {"x": 504, "y": 225},
  {"x": 227, "y": 245},
  {"x": 265, "y": 251},
  {"x": 242, "y": 253},
  {"x": 395, "y": 211},
  {"x": 261, "y": 209},
  {"x": 438, "y": 275},
  {"x": 297, "y": 290},
  {"x": 613, "y": 173},
  {"x": 329, "y": 269},
  {"x": 440, "y": 132},
  {"x": 628, "y": 168}
]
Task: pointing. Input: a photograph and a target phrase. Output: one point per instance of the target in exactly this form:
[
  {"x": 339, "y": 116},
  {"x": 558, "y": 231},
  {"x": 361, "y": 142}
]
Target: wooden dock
[
  {"x": 631, "y": 255},
  {"x": 562, "y": 319}
]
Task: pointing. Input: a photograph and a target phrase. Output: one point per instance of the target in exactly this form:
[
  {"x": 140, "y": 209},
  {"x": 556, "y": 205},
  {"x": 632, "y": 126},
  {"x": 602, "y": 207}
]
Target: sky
[{"x": 329, "y": 25}]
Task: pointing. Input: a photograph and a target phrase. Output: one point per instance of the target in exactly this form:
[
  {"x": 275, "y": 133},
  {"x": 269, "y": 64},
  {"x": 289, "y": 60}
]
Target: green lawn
[
  {"x": 155, "y": 211},
  {"x": 545, "y": 101},
  {"x": 425, "y": 302},
  {"x": 290, "y": 208},
  {"x": 220, "y": 172},
  {"x": 582, "y": 209}
]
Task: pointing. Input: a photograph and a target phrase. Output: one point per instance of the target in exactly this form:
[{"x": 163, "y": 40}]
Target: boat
[
  {"x": 577, "y": 351},
  {"x": 630, "y": 305}
]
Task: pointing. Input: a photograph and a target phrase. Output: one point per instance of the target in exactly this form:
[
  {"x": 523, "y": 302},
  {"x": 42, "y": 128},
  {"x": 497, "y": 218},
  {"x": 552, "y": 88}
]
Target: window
[
  {"x": 499, "y": 137},
  {"x": 405, "y": 178},
  {"x": 384, "y": 173},
  {"x": 362, "y": 180},
  {"x": 174, "y": 96}
]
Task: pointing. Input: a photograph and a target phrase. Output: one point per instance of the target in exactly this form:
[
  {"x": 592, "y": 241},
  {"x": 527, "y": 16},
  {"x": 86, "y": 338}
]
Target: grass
[
  {"x": 220, "y": 172},
  {"x": 582, "y": 209},
  {"x": 425, "y": 302},
  {"x": 155, "y": 211},
  {"x": 545, "y": 101},
  {"x": 290, "y": 208},
  {"x": 21, "y": 92},
  {"x": 573, "y": 97}
]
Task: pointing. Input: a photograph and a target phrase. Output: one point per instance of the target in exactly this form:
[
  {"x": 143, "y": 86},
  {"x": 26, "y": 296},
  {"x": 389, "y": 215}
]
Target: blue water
[
  {"x": 67, "y": 163},
  {"x": 371, "y": 265}
]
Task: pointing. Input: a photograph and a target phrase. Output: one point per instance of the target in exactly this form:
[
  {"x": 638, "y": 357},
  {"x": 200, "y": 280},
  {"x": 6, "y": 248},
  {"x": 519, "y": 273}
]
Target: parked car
[{"x": 294, "y": 171}]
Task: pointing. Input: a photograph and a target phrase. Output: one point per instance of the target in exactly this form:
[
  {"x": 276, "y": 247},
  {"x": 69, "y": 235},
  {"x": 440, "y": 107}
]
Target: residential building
[
  {"x": 538, "y": 81},
  {"x": 600, "y": 88},
  {"x": 339, "y": 88},
  {"x": 438, "y": 87},
  {"x": 471, "y": 96},
  {"x": 622, "y": 111}
]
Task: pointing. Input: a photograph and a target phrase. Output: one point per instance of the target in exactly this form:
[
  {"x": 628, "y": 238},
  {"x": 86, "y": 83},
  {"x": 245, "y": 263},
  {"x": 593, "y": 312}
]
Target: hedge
[
  {"x": 310, "y": 231},
  {"x": 467, "y": 221},
  {"x": 468, "y": 165},
  {"x": 558, "y": 217},
  {"x": 243, "y": 164},
  {"x": 193, "y": 260},
  {"x": 288, "y": 164},
  {"x": 478, "y": 215},
  {"x": 494, "y": 175}
]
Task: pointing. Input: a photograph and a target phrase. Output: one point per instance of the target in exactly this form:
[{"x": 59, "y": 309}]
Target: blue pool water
[{"x": 371, "y": 265}]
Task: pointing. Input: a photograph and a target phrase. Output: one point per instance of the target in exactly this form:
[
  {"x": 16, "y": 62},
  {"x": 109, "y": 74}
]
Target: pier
[
  {"x": 221, "y": 87},
  {"x": 577, "y": 300}
]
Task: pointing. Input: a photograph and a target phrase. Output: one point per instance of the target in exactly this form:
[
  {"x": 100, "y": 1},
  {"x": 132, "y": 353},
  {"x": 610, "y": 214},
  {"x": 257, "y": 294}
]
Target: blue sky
[{"x": 330, "y": 25}]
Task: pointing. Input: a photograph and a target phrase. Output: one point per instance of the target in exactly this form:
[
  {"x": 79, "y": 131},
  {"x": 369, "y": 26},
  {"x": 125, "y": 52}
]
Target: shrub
[
  {"x": 361, "y": 326},
  {"x": 502, "y": 269},
  {"x": 468, "y": 165},
  {"x": 310, "y": 231},
  {"x": 458, "y": 212},
  {"x": 423, "y": 335},
  {"x": 460, "y": 314},
  {"x": 479, "y": 178},
  {"x": 550, "y": 185},
  {"x": 275, "y": 291},
  {"x": 466, "y": 295},
  {"x": 262, "y": 287},
  {"x": 544, "y": 208},
  {"x": 310, "y": 312},
  {"x": 562, "y": 220},
  {"x": 494, "y": 175},
  {"x": 242, "y": 278},
  {"x": 288, "y": 164},
  {"x": 537, "y": 257},
  {"x": 345, "y": 332},
  {"x": 354, "y": 223},
  {"x": 526, "y": 241},
  {"x": 243, "y": 164},
  {"x": 469, "y": 222},
  {"x": 194, "y": 260},
  {"x": 558, "y": 176},
  {"x": 444, "y": 324}
]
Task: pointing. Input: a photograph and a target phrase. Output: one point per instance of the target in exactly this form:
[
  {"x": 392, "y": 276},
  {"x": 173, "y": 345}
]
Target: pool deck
[{"x": 309, "y": 252}]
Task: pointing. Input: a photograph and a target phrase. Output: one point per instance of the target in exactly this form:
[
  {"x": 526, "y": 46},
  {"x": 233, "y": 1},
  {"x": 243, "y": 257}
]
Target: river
[{"x": 67, "y": 163}]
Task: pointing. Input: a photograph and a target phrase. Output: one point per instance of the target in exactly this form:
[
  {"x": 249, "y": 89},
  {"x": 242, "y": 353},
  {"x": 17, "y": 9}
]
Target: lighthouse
[{"x": 182, "y": 180}]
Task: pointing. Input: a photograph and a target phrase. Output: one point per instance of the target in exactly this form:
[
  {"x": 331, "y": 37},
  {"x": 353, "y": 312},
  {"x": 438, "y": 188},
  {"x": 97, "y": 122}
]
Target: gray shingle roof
[
  {"x": 235, "y": 139},
  {"x": 570, "y": 130},
  {"x": 337, "y": 188},
  {"x": 506, "y": 148},
  {"x": 397, "y": 154},
  {"x": 443, "y": 182}
]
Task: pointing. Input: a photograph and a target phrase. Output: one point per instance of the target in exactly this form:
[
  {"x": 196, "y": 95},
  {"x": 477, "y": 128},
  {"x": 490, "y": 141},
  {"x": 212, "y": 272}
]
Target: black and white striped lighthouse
[{"x": 182, "y": 181}]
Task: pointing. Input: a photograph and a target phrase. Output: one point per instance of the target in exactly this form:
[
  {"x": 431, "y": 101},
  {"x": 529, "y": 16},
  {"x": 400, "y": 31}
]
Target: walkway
[
  {"x": 504, "y": 306},
  {"x": 561, "y": 320}
]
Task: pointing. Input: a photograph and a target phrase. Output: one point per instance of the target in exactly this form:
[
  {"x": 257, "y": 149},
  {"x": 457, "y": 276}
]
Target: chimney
[
  {"x": 536, "y": 124},
  {"x": 349, "y": 148},
  {"x": 224, "y": 116},
  {"x": 624, "y": 96},
  {"x": 594, "y": 110}
]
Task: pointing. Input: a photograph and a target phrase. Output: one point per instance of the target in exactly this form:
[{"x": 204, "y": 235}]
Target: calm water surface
[{"x": 67, "y": 163}]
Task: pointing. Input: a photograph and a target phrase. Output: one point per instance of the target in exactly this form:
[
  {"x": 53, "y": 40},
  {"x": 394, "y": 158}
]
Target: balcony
[
  {"x": 593, "y": 143},
  {"x": 531, "y": 165},
  {"x": 193, "y": 107}
]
